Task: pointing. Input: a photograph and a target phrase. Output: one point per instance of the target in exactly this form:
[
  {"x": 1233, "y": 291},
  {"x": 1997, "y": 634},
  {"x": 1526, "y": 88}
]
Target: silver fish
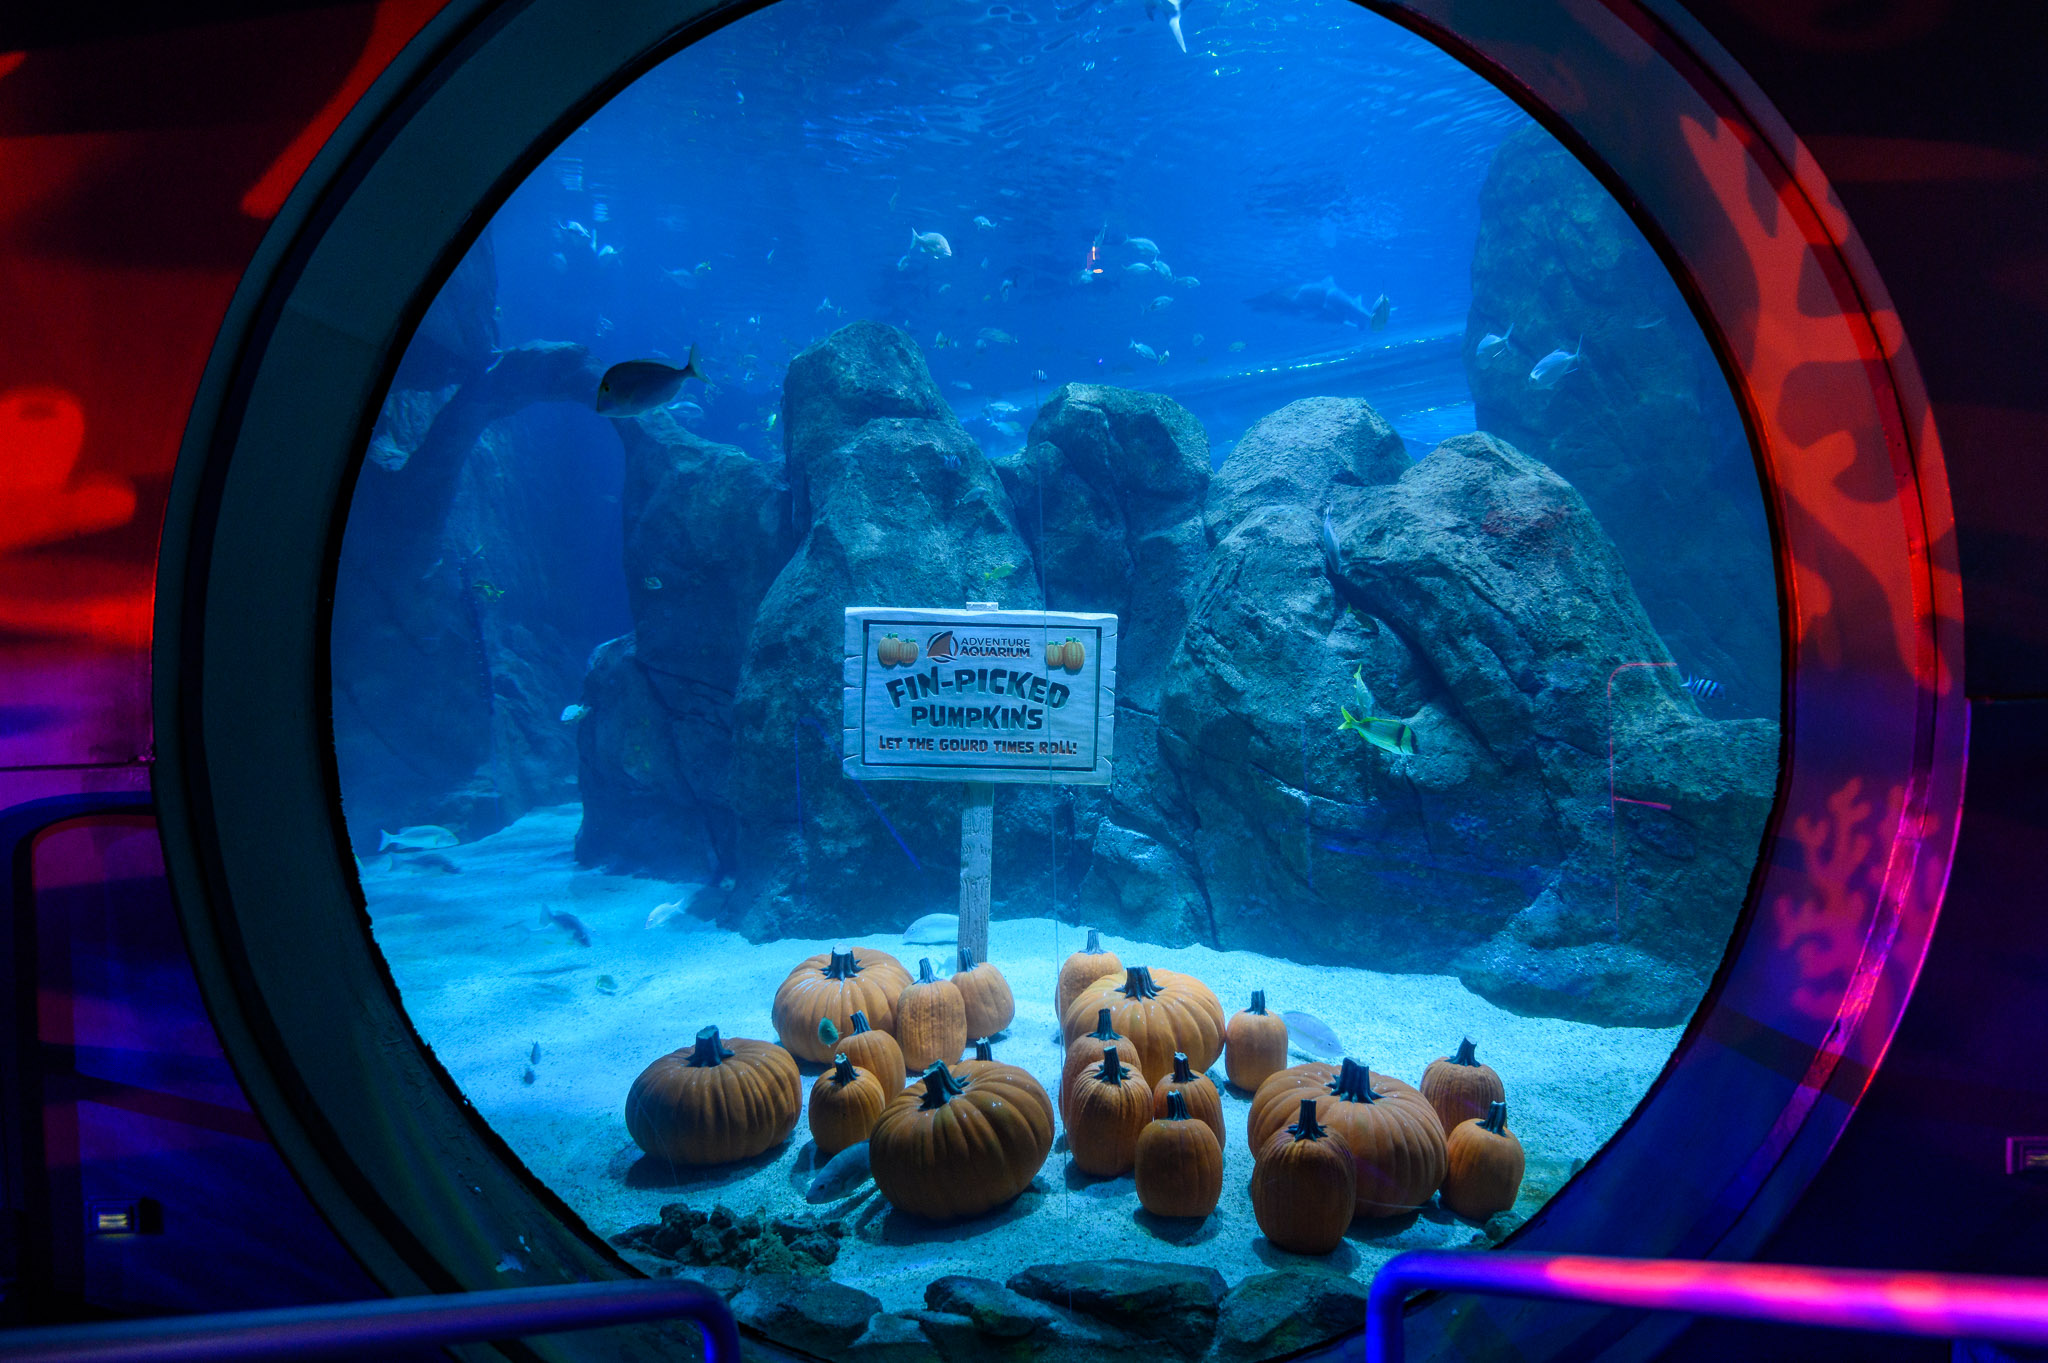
[
  {"x": 573, "y": 713},
  {"x": 1554, "y": 366},
  {"x": 842, "y": 1175},
  {"x": 418, "y": 838},
  {"x": 1144, "y": 246},
  {"x": 1138, "y": 268},
  {"x": 1310, "y": 1035},
  {"x": 1144, "y": 352},
  {"x": 1380, "y": 308},
  {"x": 982, "y": 224},
  {"x": 569, "y": 923},
  {"x": 632, "y": 387},
  {"x": 1494, "y": 343},
  {"x": 931, "y": 243},
  {"x": 1159, "y": 304},
  {"x": 934, "y": 929}
]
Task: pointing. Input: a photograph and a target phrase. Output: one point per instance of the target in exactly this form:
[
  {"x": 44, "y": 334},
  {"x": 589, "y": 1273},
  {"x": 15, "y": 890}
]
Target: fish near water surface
[{"x": 633, "y": 387}]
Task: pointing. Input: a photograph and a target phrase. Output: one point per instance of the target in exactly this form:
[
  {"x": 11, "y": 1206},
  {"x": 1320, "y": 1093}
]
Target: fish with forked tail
[{"x": 633, "y": 387}]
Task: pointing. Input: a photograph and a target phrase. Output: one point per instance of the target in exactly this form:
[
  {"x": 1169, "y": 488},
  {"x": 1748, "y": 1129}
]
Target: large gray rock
[
  {"x": 1645, "y": 428},
  {"x": 706, "y": 530},
  {"x": 894, "y": 505},
  {"x": 1269, "y": 1315},
  {"x": 1170, "y": 1305},
  {"x": 994, "y": 1309},
  {"x": 814, "y": 1314}
]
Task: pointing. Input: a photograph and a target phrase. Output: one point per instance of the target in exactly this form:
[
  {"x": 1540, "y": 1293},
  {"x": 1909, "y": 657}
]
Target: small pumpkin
[
  {"x": 1161, "y": 1011},
  {"x": 1055, "y": 654},
  {"x": 835, "y": 984},
  {"x": 1254, "y": 1045},
  {"x": 870, "y": 1050},
  {"x": 715, "y": 1102},
  {"x": 1109, "y": 1107},
  {"x": 931, "y": 1020},
  {"x": 1460, "y": 1088},
  {"x": 990, "y": 1004},
  {"x": 906, "y": 651},
  {"x": 846, "y": 1101},
  {"x": 1395, "y": 1139},
  {"x": 1197, "y": 1091},
  {"x": 950, "y": 1147},
  {"x": 1085, "y": 1052},
  {"x": 984, "y": 1057},
  {"x": 1486, "y": 1165},
  {"x": 1073, "y": 655},
  {"x": 1303, "y": 1186},
  {"x": 885, "y": 651},
  {"x": 1179, "y": 1163},
  {"x": 1082, "y": 969}
]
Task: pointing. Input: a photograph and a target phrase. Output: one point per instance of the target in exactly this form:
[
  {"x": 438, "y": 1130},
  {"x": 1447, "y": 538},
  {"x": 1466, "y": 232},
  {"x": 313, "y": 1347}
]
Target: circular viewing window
[{"x": 1224, "y": 495}]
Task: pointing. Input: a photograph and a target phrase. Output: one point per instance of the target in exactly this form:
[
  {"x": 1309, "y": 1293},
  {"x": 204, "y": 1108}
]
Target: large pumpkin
[
  {"x": 1082, "y": 969},
  {"x": 984, "y": 1058},
  {"x": 1254, "y": 1045},
  {"x": 990, "y": 1004},
  {"x": 1197, "y": 1091},
  {"x": 715, "y": 1102},
  {"x": 845, "y": 1102},
  {"x": 1303, "y": 1186},
  {"x": 1396, "y": 1141},
  {"x": 1179, "y": 1164},
  {"x": 952, "y": 1148},
  {"x": 1486, "y": 1165},
  {"x": 870, "y": 1050},
  {"x": 835, "y": 985},
  {"x": 1161, "y": 1011},
  {"x": 931, "y": 1020},
  {"x": 1108, "y": 1109},
  {"x": 1460, "y": 1088}
]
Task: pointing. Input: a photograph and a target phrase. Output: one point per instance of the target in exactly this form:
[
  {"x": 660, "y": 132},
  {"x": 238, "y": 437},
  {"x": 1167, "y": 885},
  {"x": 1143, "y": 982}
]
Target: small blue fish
[
  {"x": 1391, "y": 734},
  {"x": 1702, "y": 688},
  {"x": 632, "y": 387},
  {"x": 1554, "y": 366},
  {"x": 842, "y": 1175},
  {"x": 1495, "y": 343}
]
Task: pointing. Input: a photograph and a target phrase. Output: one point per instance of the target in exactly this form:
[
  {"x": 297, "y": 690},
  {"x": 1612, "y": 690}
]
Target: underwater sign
[{"x": 979, "y": 695}]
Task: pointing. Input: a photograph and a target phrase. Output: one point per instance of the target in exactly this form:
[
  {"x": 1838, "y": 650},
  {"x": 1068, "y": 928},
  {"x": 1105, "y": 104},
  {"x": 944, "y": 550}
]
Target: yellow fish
[{"x": 1391, "y": 734}]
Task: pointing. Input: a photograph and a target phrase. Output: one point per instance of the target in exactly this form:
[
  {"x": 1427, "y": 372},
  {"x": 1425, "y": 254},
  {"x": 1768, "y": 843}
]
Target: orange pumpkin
[
  {"x": 990, "y": 1004},
  {"x": 715, "y": 1102},
  {"x": 931, "y": 1020},
  {"x": 845, "y": 1103},
  {"x": 1082, "y": 969},
  {"x": 1055, "y": 655},
  {"x": 885, "y": 651},
  {"x": 906, "y": 651},
  {"x": 1109, "y": 1107},
  {"x": 984, "y": 1058},
  {"x": 1460, "y": 1088},
  {"x": 1161, "y": 1011},
  {"x": 1179, "y": 1163},
  {"x": 835, "y": 985},
  {"x": 1073, "y": 655},
  {"x": 1486, "y": 1165},
  {"x": 1086, "y": 1052},
  {"x": 1303, "y": 1186},
  {"x": 1197, "y": 1091},
  {"x": 1393, "y": 1134},
  {"x": 1254, "y": 1045},
  {"x": 870, "y": 1050},
  {"x": 952, "y": 1148}
]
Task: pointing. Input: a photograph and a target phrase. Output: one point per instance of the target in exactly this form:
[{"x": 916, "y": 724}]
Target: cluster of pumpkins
[{"x": 1330, "y": 1141}]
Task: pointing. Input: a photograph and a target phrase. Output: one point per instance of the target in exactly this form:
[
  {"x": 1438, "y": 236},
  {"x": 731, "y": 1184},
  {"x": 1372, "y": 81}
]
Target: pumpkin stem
[
  {"x": 1354, "y": 1083},
  {"x": 924, "y": 971},
  {"x": 1496, "y": 1119},
  {"x": 983, "y": 1050},
  {"x": 843, "y": 1071},
  {"x": 1138, "y": 983},
  {"x": 1306, "y": 1127},
  {"x": 940, "y": 1087},
  {"x": 1112, "y": 1071},
  {"x": 841, "y": 965},
  {"x": 1181, "y": 1073},
  {"x": 966, "y": 959},
  {"x": 1103, "y": 1030},
  {"x": 1176, "y": 1106},
  {"x": 709, "y": 1050},
  {"x": 1465, "y": 1055},
  {"x": 827, "y": 1032},
  {"x": 1258, "y": 1003},
  {"x": 1094, "y": 947},
  {"x": 860, "y": 1022}
]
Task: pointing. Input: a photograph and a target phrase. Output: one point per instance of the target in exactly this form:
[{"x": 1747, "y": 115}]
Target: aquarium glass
[{"x": 1226, "y": 480}]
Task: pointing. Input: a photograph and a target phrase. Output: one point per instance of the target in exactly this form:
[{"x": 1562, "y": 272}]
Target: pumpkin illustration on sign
[
  {"x": 1072, "y": 654},
  {"x": 886, "y": 650}
]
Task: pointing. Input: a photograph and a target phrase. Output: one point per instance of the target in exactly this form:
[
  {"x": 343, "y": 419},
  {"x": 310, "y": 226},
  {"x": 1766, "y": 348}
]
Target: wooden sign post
[{"x": 981, "y": 696}]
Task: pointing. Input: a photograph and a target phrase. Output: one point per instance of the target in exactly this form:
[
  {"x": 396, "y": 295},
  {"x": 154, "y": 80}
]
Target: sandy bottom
[{"x": 485, "y": 985}]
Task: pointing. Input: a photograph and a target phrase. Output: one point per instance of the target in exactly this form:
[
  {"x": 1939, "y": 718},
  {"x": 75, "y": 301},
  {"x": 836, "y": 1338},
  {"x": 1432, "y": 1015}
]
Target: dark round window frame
[{"x": 1769, "y": 1069}]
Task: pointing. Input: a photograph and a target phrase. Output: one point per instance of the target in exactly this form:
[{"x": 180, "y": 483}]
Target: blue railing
[
  {"x": 1937, "y": 1305},
  {"x": 375, "y": 1329}
]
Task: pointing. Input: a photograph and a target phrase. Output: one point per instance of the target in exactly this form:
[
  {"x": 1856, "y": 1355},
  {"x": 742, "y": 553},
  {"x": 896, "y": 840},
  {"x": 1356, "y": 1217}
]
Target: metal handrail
[
  {"x": 1940, "y": 1305},
  {"x": 374, "y": 1328}
]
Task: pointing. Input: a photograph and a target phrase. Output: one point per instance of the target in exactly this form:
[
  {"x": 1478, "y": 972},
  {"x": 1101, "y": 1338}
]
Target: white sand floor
[{"x": 484, "y": 986}]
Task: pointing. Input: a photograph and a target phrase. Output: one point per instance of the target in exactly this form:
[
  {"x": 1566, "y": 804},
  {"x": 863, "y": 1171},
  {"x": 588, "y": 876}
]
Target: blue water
[{"x": 761, "y": 189}]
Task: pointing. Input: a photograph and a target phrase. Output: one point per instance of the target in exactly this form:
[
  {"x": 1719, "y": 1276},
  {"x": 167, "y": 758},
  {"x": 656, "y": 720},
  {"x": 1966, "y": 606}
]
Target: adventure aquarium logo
[{"x": 941, "y": 646}]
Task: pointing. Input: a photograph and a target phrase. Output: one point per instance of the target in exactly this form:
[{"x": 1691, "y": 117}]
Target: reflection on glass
[{"x": 912, "y": 383}]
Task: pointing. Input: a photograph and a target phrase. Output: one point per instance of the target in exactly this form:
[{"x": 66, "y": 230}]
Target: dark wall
[{"x": 1927, "y": 117}]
